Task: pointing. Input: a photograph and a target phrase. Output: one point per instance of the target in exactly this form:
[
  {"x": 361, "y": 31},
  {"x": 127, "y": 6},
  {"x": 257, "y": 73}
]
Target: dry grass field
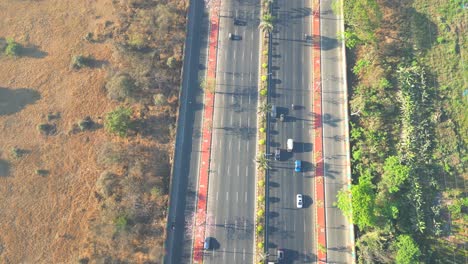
[{"x": 51, "y": 209}]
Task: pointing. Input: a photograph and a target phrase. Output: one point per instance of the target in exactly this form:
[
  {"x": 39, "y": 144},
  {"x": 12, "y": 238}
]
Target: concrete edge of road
[
  {"x": 181, "y": 112},
  {"x": 318, "y": 142},
  {"x": 209, "y": 98},
  {"x": 346, "y": 135}
]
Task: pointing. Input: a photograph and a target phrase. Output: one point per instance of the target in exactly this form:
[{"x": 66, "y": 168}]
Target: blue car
[{"x": 297, "y": 166}]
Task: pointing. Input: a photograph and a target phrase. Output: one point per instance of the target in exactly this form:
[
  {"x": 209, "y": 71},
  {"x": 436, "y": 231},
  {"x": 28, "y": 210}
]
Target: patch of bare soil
[{"x": 47, "y": 182}]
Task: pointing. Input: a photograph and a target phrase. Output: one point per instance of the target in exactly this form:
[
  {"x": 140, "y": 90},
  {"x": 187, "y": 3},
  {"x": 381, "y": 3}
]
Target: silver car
[{"x": 274, "y": 112}]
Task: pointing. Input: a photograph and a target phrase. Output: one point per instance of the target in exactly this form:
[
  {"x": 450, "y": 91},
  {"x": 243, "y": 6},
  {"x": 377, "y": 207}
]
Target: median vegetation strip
[
  {"x": 266, "y": 26},
  {"x": 409, "y": 109}
]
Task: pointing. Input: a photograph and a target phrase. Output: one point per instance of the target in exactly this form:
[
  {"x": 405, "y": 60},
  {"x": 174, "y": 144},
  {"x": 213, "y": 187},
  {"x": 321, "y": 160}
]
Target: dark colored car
[
  {"x": 278, "y": 154},
  {"x": 238, "y": 22}
]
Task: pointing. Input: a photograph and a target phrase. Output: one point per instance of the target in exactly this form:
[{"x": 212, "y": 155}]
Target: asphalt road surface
[
  {"x": 231, "y": 190},
  {"x": 334, "y": 102},
  {"x": 289, "y": 228},
  {"x": 179, "y": 243}
]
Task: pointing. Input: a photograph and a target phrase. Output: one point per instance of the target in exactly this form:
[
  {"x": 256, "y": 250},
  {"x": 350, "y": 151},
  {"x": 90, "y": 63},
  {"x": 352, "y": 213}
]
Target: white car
[{"x": 299, "y": 200}]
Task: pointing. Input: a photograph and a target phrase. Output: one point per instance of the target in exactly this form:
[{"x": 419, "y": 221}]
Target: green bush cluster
[{"x": 119, "y": 121}]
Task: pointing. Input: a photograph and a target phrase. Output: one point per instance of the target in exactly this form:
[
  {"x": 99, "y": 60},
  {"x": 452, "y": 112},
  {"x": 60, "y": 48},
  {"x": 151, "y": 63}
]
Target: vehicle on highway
[
  {"x": 274, "y": 112},
  {"x": 290, "y": 144},
  {"x": 292, "y": 106},
  {"x": 238, "y": 22},
  {"x": 207, "y": 243},
  {"x": 277, "y": 154},
  {"x": 280, "y": 254},
  {"x": 231, "y": 36},
  {"x": 299, "y": 200},
  {"x": 282, "y": 117},
  {"x": 297, "y": 166}
]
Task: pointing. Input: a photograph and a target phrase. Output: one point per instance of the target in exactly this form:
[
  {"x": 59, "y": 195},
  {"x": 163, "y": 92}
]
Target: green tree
[
  {"x": 407, "y": 251},
  {"x": 12, "y": 48},
  {"x": 119, "y": 121},
  {"x": 395, "y": 174},
  {"x": 361, "y": 204}
]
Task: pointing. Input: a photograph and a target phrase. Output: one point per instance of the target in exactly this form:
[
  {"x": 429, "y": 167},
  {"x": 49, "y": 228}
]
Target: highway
[
  {"x": 231, "y": 191},
  {"x": 334, "y": 104},
  {"x": 289, "y": 228}
]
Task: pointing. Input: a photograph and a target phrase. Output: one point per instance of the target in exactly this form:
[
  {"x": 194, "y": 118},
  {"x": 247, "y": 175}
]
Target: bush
[
  {"x": 136, "y": 41},
  {"x": 42, "y": 172},
  {"x": 261, "y": 198},
  {"x": 119, "y": 121},
  {"x": 106, "y": 183},
  {"x": 262, "y": 130},
  {"x": 156, "y": 191},
  {"x": 86, "y": 124},
  {"x": 259, "y": 229},
  {"x": 260, "y": 245},
  {"x": 261, "y": 183},
  {"x": 46, "y": 129},
  {"x": 262, "y": 142},
  {"x": 264, "y": 78},
  {"x": 80, "y": 61},
  {"x": 121, "y": 223},
  {"x": 159, "y": 99},
  {"x": 119, "y": 87},
  {"x": 12, "y": 48},
  {"x": 16, "y": 152},
  {"x": 264, "y": 65},
  {"x": 260, "y": 213},
  {"x": 263, "y": 92},
  {"x": 171, "y": 62}
]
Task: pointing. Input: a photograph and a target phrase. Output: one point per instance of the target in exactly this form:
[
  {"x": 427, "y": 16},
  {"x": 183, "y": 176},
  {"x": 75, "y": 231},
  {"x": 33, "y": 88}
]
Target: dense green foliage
[
  {"x": 408, "y": 130},
  {"x": 119, "y": 121},
  {"x": 407, "y": 251}
]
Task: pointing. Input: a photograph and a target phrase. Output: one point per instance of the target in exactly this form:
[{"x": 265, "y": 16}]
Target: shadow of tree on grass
[{"x": 14, "y": 100}]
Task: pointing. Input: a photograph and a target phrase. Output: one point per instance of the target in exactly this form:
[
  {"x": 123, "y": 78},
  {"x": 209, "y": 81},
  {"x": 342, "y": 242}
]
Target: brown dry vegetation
[{"x": 86, "y": 195}]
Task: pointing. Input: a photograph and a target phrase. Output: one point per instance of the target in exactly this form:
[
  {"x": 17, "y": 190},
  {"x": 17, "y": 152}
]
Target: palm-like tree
[
  {"x": 262, "y": 162},
  {"x": 267, "y": 23},
  {"x": 264, "y": 108}
]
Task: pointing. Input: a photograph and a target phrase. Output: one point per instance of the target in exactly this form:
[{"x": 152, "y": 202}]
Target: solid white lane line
[
  {"x": 243, "y": 254},
  {"x": 224, "y": 253},
  {"x": 234, "y": 253}
]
